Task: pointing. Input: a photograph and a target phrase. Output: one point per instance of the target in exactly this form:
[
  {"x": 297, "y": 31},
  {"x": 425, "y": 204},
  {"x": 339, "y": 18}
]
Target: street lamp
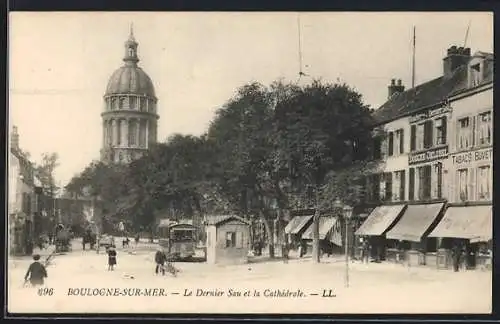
[{"x": 346, "y": 213}]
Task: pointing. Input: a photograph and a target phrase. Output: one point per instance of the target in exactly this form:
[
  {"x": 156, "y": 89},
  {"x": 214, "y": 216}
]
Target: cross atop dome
[{"x": 131, "y": 36}]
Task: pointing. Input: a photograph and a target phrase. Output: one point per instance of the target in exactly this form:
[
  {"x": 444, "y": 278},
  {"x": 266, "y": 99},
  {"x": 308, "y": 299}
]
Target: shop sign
[
  {"x": 475, "y": 156},
  {"x": 429, "y": 155},
  {"x": 429, "y": 114}
]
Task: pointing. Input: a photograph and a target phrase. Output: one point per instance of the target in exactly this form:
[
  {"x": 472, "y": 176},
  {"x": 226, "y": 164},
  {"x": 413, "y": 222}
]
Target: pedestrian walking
[
  {"x": 36, "y": 272},
  {"x": 456, "y": 252},
  {"x": 137, "y": 239},
  {"x": 111, "y": 258},
  {"x": 365, "y": 249},
  {"x": 160, "y": 259},
  {"x": 285, "y": 249}
]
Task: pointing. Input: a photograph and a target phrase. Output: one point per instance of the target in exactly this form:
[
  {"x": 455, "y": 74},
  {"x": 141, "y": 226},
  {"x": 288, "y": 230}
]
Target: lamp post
[{"x": 346, "y": 213}]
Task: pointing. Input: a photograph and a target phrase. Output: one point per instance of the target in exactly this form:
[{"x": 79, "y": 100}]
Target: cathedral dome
[{"x": 130, "y": 79}]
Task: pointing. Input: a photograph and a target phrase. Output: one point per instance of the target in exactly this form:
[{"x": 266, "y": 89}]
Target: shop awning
[
  {"x": 297, "y": 223},
  {"x": 415, "y": 221},
  {"x": 467, "y": 222},
  {"x": 380, "y": 219},
  {"x": 325, "y": 226}
]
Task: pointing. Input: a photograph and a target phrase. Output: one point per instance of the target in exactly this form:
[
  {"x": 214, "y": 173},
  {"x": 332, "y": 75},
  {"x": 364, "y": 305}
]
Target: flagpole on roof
[
  {"x": 413, "y": 60},
  {"x": 466, "y": 35}
]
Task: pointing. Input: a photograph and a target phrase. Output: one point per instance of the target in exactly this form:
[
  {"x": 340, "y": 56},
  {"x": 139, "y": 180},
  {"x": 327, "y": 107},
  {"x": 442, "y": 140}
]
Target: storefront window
[
  {"x": 484, "y": 181},
  {"x": 462, "y": 184},
  {"x": 440, "y": 127},
  {"x": 484, "y": 128},
  {"x": 464, "y": 133}
]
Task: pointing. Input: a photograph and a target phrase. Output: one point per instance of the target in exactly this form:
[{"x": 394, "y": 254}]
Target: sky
[{"x": 60, "y": 63}]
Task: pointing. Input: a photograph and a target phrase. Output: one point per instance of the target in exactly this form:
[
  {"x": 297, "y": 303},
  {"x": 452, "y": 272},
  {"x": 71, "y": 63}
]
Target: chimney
[
  {"x": 14, "y": 139},
  {"x": 395, "y": 87},
  {"x": 455, "y": 57}
]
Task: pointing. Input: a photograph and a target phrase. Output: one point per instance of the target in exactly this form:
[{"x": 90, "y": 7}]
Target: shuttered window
[
  {"x": 440, "y": 126},
  {"x": 230, "y": 239},
  {"x": 401, "y": 141},
  {"x": 413, "y": 138},
  {"x": 391, "y": 144},
  {"x": 428, "y": 134},
  {"x": 411, "y": 185},
  {"x": 239, "y": 240}
]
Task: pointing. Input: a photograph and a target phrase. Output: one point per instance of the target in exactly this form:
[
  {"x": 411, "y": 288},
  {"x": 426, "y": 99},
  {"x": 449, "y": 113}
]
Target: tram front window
[{"x": 182, "y": 236}]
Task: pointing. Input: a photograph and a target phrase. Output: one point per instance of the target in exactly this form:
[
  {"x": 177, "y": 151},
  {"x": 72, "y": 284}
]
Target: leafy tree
[
  {"x": 45, "y": 172},
  {"x": 321, "y": 129},
  {"x": 243, "y": 170}
]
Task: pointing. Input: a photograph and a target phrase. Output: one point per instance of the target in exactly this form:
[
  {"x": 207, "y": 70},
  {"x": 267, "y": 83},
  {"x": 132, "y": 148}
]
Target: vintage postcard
[{"x": 237, "y": 162}]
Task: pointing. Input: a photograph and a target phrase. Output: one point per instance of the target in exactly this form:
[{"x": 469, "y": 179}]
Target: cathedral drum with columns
[{"x": 130, "y": 110}]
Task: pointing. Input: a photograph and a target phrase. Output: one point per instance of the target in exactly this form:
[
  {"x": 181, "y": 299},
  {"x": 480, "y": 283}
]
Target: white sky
[{"x": 60, "y": 64}]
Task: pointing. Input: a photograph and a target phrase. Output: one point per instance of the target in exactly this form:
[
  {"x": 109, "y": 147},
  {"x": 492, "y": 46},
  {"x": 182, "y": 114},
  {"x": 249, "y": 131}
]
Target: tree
[
  {"x": 103, "y": 183},
  {"x": 45, "y": 172},
  {"x": 321, "y": 129},
  {"x": 243, "y": 170},
  {"x": 169, "y": 179}
]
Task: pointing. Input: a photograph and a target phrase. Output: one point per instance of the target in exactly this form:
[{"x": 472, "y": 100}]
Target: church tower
[{"x": 130, "y": 116}]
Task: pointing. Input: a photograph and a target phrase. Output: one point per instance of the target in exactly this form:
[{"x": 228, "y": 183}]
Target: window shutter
[
  {"x": 403, "y": 185},
  {"x": 472, "y": 132},
  {"x": 413, "y": 137},
  {"x": 383, "y": 148},
  {"x": 411, "y": 188},
  {"x": 402, "y": 141},
  {"x": 472, "y": 185},
  {"x": 444, "y": 130},
  {"x": 440, "y": 180},
  {"x": 428, "y": 134},
  {"x": 391, "y": 144},
  {"x": 239, "y": 239}
]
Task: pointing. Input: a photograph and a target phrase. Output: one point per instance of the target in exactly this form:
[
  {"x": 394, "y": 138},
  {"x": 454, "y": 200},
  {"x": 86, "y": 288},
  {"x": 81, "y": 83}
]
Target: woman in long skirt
[{"x": 111, "y": 258}]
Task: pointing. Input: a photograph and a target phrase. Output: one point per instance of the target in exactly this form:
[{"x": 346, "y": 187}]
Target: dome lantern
[{"x": 131, "y": 45}]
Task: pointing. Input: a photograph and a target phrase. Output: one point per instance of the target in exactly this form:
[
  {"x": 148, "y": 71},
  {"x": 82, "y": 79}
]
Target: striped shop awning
[
  {"x": 297, "y": 224},
  {"x": 326, "y": 224},
  {"x": 468, "y": 222}
]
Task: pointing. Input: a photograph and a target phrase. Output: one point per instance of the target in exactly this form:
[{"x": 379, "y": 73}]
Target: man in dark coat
[
  {"x": 456, "y": 252},
  {"x": 36, "y": 272},
  {"x": 160, "y": 259}
]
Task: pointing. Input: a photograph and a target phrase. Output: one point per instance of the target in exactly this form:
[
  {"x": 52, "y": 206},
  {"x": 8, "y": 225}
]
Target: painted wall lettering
[
  {"x": 427, "y": 156},
  {"x": 429, "y": 114},
  {"x": 475, "y": 156}
]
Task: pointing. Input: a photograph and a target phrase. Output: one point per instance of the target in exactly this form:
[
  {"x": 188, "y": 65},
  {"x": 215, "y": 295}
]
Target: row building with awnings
[{"x": 434, "y": 185}]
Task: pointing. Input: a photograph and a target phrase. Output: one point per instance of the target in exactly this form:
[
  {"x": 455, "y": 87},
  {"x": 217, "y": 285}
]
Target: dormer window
[{"x": 475, "y": 74}]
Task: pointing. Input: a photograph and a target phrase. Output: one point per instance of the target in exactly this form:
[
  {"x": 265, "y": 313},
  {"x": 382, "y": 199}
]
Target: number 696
[{"x": 45, "y": 291}]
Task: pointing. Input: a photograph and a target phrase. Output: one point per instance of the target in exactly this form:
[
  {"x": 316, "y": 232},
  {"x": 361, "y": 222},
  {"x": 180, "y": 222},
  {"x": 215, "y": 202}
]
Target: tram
[{"x": 178, "y": 240}]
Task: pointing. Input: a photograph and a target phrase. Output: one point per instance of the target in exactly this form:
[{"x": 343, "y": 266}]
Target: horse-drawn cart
[{"x": 62, "y": 239}]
